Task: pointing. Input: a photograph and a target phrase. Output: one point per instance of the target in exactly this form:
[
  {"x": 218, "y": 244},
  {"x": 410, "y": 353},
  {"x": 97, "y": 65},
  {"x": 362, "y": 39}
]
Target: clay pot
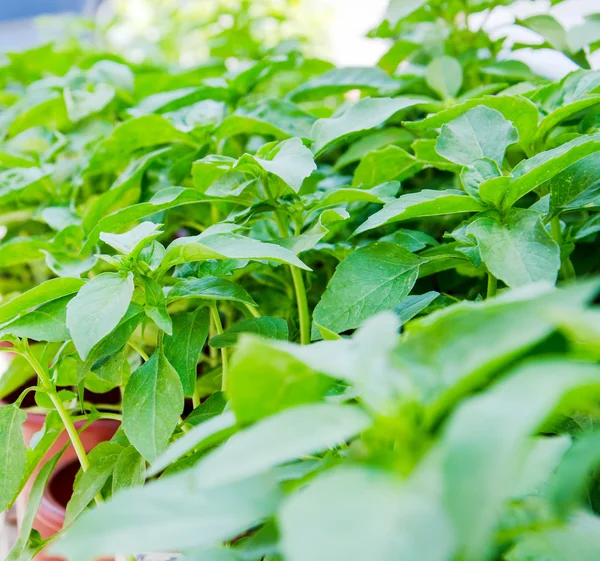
[{"x": 51, "y": 514}]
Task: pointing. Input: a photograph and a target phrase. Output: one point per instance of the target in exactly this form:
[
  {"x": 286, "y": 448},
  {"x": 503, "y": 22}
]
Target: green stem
[
  {"x": 492, "y": 285},
  {"x": 567, "y": 271},
  {"x": 138, "y": 350},
  {"x": 214, "y": 313},
  {"x": 255, "y": 313},
  {"x": 556, "y": 229},
  {"x": 302, "y": 301},
  {"x": 195, "y": 398},
  {"x": 62, "y": 412},
  {"x": 299, "y": 287}
]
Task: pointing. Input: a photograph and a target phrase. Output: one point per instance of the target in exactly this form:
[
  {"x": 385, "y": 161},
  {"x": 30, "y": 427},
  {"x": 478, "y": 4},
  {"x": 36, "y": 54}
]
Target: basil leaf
[{"x": 152, "y": 404}]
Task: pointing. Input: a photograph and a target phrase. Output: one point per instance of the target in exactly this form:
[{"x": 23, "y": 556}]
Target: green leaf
[
  {"x": 129, "y": 470},
  {"x": 366, "y": 114},
  {"x": 542, "y": 167},
  {"x": 397, "y": 53},
  {"x": 46, "y": 323},
  {"x": 572, "y": 476},
  {"x": 371, "y": 279},
  {"x": 578, "y": 539},
  {"x": 424, "y": 203},
  {"x": 211, "y": 407},
  {"x": 564, "y": 112},
  {"x": 13, "y": 182},
  {"x": 575, "y": 186},
  {"x": 137, "y": 519},
  {"x": 425, "y": 152},
  {"x": 340, "y": 513},
  {"x": 126, "y": 182},
  {"x": 20, "y": 250},
  {"x": 412, "y": 240},
  {"x": 521, "y": 112},
  {"x": 172, "y": 100},
  {"x": 209, "y": 245},
  {"x": 90, "y": 482},
  {"x": 339, "y": 80},
  {"x": 12, "y": 452},
  {"x": 140, "y": 132},
  {"x": 263, "y": 380},
  {"x": 374, "y": 141},
  {"x": 477, "y": 173},
  {"x": 132, "y": 242},
  {"x": 552, "y": 31},
  {"x": 384, "y": 165},
  {"x": 445, "y": 76},
  {"x": 281, "y": 438},
  {"x": 43, "y": 109},
  {"x": 582, "y": 329},
  {"x": 45, "y": 292},
  {"x": 117, "y": 338},
  {"x": 474, "y": 340},
  {"x": 308, "y": 239},
  {"x": 152, "y": 404},
  {"x": 97, "y": 309},
  {"x": 516, "y": 248},
  {"x": 81, "y": 103},
  {"x": 210, "y": 288},
  {"x": 486, "y": 441},
  {"x": 108, "y": 372},
  {"x": 479, "y": 133},
  {"x": 265, "y": 326},
  {"x": 184, "y": 347},
  {"x": 364, "y": 361},
  {"x": 199, "y": 438},
  {"x": 273, "y": 117},
  {"x": 67, "y": 266},
  {"x": 412, "y": 306},
  {"x": 169, "y": 197},
  {"x": 156, "y": 305},
  {"x": 400, "y": 9},
  {"x": 292, "y": 162},
  {"x": 379, "y": 194},
  {"x": 579, "y": 36}
]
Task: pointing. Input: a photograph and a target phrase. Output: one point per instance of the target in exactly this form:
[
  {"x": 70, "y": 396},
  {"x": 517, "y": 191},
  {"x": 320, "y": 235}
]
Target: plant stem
[
  {"x": 195, "y": 398},
  {"x": 567, "y": 271},
  {"x": 492, "y": 285},
  {"x": 303, "y": 314},
  {"x": 299, "y": 287},
  {"x": 214, "y": 313},
  {"x": 138, "y": 350},
  {"x": 62, "y": 412},
  {"x": 556, "y": 229},
  {"x": 255, "y": 313}
]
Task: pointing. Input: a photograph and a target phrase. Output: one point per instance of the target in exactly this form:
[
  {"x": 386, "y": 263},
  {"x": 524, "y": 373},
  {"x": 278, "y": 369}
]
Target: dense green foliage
[{"x": 350, "y": 310}]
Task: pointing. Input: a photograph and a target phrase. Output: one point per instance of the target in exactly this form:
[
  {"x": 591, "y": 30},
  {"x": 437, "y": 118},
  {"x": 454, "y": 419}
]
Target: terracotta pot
[
  {"x": 51, "y": 514},
  {"x": 97, "y": 432}
]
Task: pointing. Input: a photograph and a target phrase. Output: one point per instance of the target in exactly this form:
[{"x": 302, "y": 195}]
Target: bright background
[
  {"x": 351, "y": 19},
  {"x": 347, "y": 21}
]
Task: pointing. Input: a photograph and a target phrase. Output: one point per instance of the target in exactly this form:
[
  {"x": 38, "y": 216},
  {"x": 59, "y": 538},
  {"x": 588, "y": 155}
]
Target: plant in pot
[
  {"x": 222, "y": 227},
  {"x": 59, "y": 103}
]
